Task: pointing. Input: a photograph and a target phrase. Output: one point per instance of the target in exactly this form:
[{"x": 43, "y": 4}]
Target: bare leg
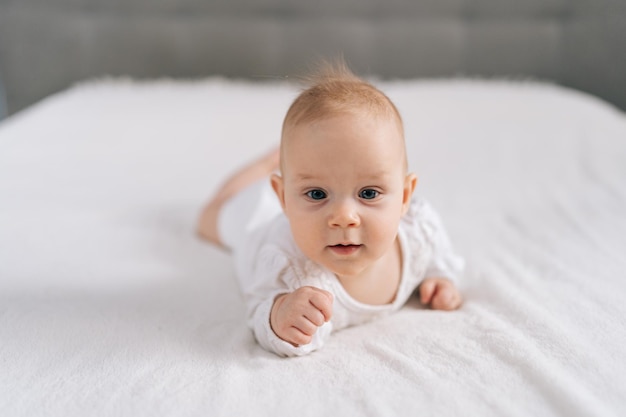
[{"x": 207, "y": 223}]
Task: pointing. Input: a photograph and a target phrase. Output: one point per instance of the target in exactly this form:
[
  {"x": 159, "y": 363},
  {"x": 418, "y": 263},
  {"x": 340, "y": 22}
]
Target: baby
[{"x": 338, "y": 239}]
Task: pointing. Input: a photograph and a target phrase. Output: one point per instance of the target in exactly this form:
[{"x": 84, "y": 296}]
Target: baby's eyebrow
[
  {"x": 370, "y": 175},
  {"x": 375, "y": 176},
  {"x": 379, "y": 174},
  {"x": 304, "y": 177}
]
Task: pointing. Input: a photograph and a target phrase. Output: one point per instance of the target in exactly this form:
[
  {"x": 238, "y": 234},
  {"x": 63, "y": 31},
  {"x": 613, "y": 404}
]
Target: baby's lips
[{"x": 346, "y": 244}]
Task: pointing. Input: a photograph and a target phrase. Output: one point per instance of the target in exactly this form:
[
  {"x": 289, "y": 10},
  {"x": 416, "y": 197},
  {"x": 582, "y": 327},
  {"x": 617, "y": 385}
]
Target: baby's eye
[
  {"x": 316, "y": 194},
  {"x": 368, "y": 194}
]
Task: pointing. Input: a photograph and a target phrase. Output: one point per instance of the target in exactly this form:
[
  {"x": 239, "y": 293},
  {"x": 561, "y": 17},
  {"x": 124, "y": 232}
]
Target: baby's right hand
[{"x": 296, "y": 316}]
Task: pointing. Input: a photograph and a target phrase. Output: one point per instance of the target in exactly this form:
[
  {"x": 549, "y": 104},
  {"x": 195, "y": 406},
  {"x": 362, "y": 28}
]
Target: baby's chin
[{"x": 346, "y": 270}]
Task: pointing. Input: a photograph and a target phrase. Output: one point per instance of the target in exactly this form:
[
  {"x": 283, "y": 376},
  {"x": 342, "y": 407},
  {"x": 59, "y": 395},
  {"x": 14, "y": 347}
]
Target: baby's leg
[{"x": 207, "y": 223}]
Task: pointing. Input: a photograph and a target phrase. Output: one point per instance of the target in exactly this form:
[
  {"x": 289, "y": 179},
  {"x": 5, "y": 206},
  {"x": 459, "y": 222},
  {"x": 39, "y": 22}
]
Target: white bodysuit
[{"x": 269, "y": 263}]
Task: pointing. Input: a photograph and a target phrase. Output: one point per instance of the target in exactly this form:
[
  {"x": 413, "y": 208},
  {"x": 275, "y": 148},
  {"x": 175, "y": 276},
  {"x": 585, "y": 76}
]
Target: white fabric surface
[{"x": 109, "y": 305}]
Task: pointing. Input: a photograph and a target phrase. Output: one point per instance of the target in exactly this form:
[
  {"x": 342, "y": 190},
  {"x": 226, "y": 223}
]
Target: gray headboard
[{"x": 46, "y": 45}]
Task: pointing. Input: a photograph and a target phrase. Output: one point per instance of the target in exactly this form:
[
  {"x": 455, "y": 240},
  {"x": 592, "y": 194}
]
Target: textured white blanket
[{"x": 109, "y": 305}]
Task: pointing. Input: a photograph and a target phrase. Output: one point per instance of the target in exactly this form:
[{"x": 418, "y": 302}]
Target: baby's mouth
[{"x": 344, "y": 249}]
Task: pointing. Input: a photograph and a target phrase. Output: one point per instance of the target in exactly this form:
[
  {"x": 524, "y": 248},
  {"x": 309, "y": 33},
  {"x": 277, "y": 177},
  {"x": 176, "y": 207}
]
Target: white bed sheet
[{"x": 110, "y": 305}]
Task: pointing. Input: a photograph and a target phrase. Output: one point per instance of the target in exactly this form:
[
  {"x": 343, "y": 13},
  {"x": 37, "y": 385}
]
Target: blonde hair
[{"x": 334, "y": 89}]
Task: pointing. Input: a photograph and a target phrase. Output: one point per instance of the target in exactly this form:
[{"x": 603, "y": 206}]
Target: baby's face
[{"x": 344, "y": 190}]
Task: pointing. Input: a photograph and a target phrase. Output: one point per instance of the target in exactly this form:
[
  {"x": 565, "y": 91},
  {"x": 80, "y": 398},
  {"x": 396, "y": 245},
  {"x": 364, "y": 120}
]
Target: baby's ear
[
  {"x": 279, "y": 188},
  {"x": 410, "y": 181}
]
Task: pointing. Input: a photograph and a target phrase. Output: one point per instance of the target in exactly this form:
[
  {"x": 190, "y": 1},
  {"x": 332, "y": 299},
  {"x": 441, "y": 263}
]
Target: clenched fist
[{"x": 296, "y": 316}]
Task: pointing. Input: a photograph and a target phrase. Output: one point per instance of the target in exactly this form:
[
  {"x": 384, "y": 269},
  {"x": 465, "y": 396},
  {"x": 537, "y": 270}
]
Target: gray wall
[{"x": 46, "y": 45}]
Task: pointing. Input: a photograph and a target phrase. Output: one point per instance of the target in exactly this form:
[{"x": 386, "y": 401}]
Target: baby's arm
[
  {"x": 438, "y": 289},
  {"x": 296, "y": 316},
  {"x": 440, "y": 294}
]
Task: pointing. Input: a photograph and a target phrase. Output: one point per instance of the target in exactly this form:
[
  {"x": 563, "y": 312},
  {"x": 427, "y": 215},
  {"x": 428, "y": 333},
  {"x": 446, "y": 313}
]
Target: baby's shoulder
[
  {"x": 280, "y": 253},
  {"x": 421, "y": 223},
  {"x": 420, "y": 212},
  {"x": 276, "y": 247}
]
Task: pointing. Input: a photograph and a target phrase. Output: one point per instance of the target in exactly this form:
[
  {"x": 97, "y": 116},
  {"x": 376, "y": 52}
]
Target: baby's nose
[{"x": 344, "y": 214}]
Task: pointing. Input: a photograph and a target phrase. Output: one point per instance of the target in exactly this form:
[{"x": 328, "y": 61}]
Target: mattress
[{"x": 111, "y": 305}]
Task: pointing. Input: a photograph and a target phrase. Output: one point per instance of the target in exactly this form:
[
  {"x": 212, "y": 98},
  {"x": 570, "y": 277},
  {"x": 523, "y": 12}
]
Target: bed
[{"x": 110, "y": 304}]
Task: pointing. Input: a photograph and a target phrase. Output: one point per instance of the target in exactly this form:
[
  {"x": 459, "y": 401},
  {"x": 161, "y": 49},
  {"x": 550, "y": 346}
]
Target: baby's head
[
  {"x": 344, "y": 184},
  {"x": 333, "y": 90}
]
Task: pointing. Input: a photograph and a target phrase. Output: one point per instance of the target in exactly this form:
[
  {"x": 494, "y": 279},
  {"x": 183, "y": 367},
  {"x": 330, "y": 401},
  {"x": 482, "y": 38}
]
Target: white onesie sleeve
[
  {"x": 274, "y": 275},
  {"x": 252, "y": 225},
  {"x": 268, "y": 339},
  {"x": 444, "y": 261}
]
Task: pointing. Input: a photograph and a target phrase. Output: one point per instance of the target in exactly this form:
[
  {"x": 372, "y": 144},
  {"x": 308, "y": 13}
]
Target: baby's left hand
[{"x": 440, "y": 294}]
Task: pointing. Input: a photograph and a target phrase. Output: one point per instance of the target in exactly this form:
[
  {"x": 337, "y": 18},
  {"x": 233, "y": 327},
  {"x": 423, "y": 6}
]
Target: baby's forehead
[{"x": 344, "y": 134}]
